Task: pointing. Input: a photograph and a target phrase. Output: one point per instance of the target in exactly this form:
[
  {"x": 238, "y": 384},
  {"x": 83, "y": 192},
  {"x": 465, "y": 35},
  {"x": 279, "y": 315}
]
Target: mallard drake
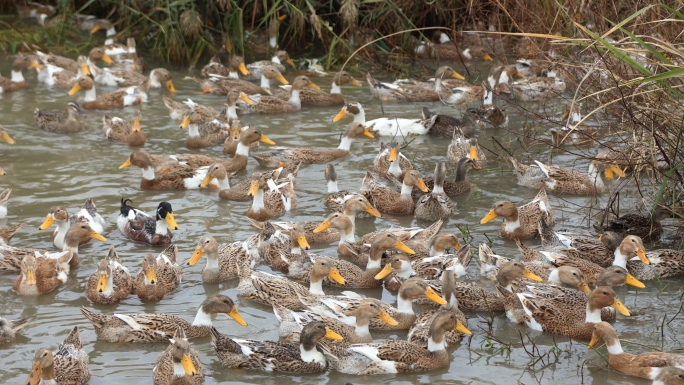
[
  {"x": 573, "y": 131},
  {"x": 443, "y": 125},
  {"x": 271, "y": 204},
  {"x": 159, "y": 327},
  {"x": 385, "y": 126},
  {"x": 522, "y": 222},
  {"x": 552, "y": 315},
  {"x": 389, "y": 201},
  {"x": 139, "y": 226},
  {"x": 292, "y": 323},
  {"x": 222, "y": 258},
  {"x": 460, "y": 148},
  {"x": 9, "y": 328},
  {"x": 116, "y": 99},
  {"x": 272, "y": 104},
  {"x": 314, "y": 156},
  {"x": 412, "y": 92},
  {"x": 59, "y": 121},
  {"x": 178, "y": 110},
  {"x": 235, "y": 65},
  {"x": 390, "y": 161},
  {"x": 111, "y": 282},
  {"x": 123, "y": 131},
  {"x": 648, "y": 227},
  {"x": 320, "y": 98},
  {"x": 179, "y": 363},
  {"x": 256, "y": 69},
  {"x": 68, "y": 365},
  {"x": 538, "y": 88},
  {"x": 270, "y": 356},
  {"x": 4, "y": 197},
  {"x": 42, "y": 275},
  {"x": 645, "y": 365},
  {"x": 436, "y": 204},
  {"x": 159, "y": 275},
  {"x": 176, "y": 177},
  {"x": 203, "y": 134},
  {"x": 17, "y": 82},
  {"x": 59, "y": 215},
  {"x": 489, "y": 113},
  {"x": 396, "y": 356},
  {"x": 568, "y": 180}
]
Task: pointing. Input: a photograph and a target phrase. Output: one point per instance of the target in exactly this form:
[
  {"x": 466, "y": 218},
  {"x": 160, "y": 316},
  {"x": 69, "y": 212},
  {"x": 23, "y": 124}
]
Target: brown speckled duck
[
  {"x": 124, "y": 131},
  {"x": 178, "y": 364},
  {"x": 272, "y": 104},
  {"x": 388, "y": 200},
  {"x": 159, "y": 276},
  {"x": 68, "y": 365},
  {"x": 522, "y": 222},
  {"x": 17, "y": 81},
  {"x": 64, "y": 122},
  {"x": 111, "y": 282}
]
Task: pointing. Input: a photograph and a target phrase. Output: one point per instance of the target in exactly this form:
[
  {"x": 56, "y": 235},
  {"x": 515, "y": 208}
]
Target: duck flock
[{"x": 564, "y": 287}]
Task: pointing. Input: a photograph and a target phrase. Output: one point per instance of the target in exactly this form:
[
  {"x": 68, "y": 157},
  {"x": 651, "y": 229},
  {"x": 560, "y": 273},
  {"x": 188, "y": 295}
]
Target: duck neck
[
  {"x": 110, "y": 285},
  {"x": 275, "y": 60},
  {"x": 332, "y": 186},
  {"x": 90, "y": 95},
  {"x": 193, "y": 130},
  {"x": 614, "y": 346},
  {"x": 242, "y": 150},
  {"x": 223, "y": 183},
  {"x": 202, "y": 318},
  {"x": 273, "y": 42},
  {"x": 231, "y": 111},
  {"x": 17, "y": 76},
  {"x": 265, "y": 82},
  {"x": 593, "y": 315},
  {"x": 575, "y": 117},
  {"x": 212, "y": 260},
  {"x": 488, "y": 98},
  {"x": 148, "y": 173},
  {"x": 347, "y": 234},
  {"x": 63, "y": 227},
  {"x": 345, "y": 143},
  {"x": 335, "y": 89},
  {"x": 404, "y": 305},
  {"x": 361, "y": 329},
  {"x": 595, "y": 176},
  {"x": 406, "y": 271},
  {"x": 620, "y": 259},
  {"x": 258, "y": 202},
  {"x": 161, "y": 228},
  {"x": 554, "y": 278},
  {"x": 360, "y": 117},
  {"x": 316, "y": 286},
  {"x": 233, "y": 74},
  {"x": 47, "y": 375},
  {"x": 178, "y": 370},
  {"x": 294, "y": 98},
  {"x": 395, "y": 168},
  {"x": 406, "y": 189},
  {"x": 512, "y": 223},
  {"x": 154, "y": 82},
  {"x": 434, "y": 346},
  {"x": 374, "y": 258}
]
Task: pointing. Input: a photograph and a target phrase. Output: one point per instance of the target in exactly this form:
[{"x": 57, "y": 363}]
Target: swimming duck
[
  {"x": 227, "y": 83},
  {"x": 280, "y": 246},
  {"x": 664, "y": 263},
  {"x": 59, "y": 121},
  {"x": 33, "y": 10},
  {"x": 131, "y": 61},
  {"x": 256, "y": 69},
  {"x": 107, "y": 26},
  {"x": 118, "y": 76},
  {"x": 176, "y": 177},
  {"x": 389, "y": 201},
  {"x": 273, "y": 203},
  {"x": 444, "y": 125},
  {"x": 111, "y": 282},
  {"x": 238, "y": 192},
  {"x": 314, "y": 156},
  {"x": 415, "y": 92},
  {"x": 460, "y": 185},
  {"x": 573, "y": 131},
  {"x": 448, "y": 50},
  {"x": 390, "y": 161},
  {"x": 159, "y": 327},
  {"x": 123, "y": 131},
  {"x": 489, "y": 113},
  {"x": 436, "y": 204},
  {"x": 159, "y": 275},
  {"x": 59, "y": 215},
  {"x": 139, "y": 226},
  {"x": 584, "y": 246},
  {"x": 569, "y": 180},
  {"x": 235, "y": 65},
  {"x": 269, "y": 356},
  {"x": 522, "y": 222},
  {"x": 116, "y": 99},
  {"x": 4, "y": 197},
  {"x": 17, "y": 82},
  {"x": 320, "y": 98},
  {"x": 538, "y": 88},
  {"x": 272, "y": 104},
  {"x": 645, "y": 365},
  {"x": 42, "y": 275},
  {"x": 334, "y": 198},
  {"x": 231, "y": 142},
  {"x": 68, "y": 365},
  {"x": 385, "y": 126},
  {"x": 503, "y": 74},
  {"x": 53, "y": 75},
  {"x": 9, "y": 328},
  {"x": 222, "y": 258},
  {"x": 669, "y": 376},
  {"x": 178, "y": 110},
  {"x": 205, "y": 134},
  {"x": 71, "y": 65},
  {"x": 179, "y": 363},
  {"x": 7, "y": 232},
  {"x": 648, "y": 227},
  {"x": 397, "y": 356}
]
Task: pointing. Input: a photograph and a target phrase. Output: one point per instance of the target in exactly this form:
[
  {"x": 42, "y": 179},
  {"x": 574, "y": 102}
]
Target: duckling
[
  {"x": 648, "y": 228},
  {"x": 396, "y": 356},
  {"x": 235, "y": 65},
  {"x": 389, "y": 201},
  {"x": 271, "y": 104},
  {"x": 178, "y": 110},
  {"x": 276, "y": 356},
  {"x": 179, "y": 363},
  {"x": 159, "y": 276},
  {"x": 159, "y": 327},
  {"x": 42, "y": 275},
  {"x": 17, "y": 82},
  {"x": 9, "y": 328},
  {"x": 460, "y": 148},
  {"x": 386, "y": 126},
  {"x": 139, "y": 226},
  {"x": 111, "y": 282},
  {"x": 205, "y": 135},
  {"x": 390, "y": 161},
  {"x": 59, "y": 215},
  {"x": 257, "y": 68},
  {"x": 645, "y": 365},
  {"x": 68, "y": 365},
  {"x": 222, "y": 259},
  {"x": 60, "y": 121},
  {"x": 314, "y": 156},
  {"x": 4, "y": 197},
  {"x": 311, "y": 97},
  {"x": 116, "y": 99},
  {"x": 522, "y": 222},
  {"x": 122, "y": 131},
  {"x": 444, "y": 125},
  {"x": 436, "y": 204},
  {"x": 272, "y": 204}
]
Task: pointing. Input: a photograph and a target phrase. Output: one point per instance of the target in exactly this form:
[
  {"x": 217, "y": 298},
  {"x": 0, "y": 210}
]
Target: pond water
[{"x": 46, "y": 169}]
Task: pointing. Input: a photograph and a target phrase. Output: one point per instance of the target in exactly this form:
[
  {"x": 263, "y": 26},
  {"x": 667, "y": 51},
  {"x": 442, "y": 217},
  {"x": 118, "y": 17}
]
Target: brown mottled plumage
[
  {"x": 111, "y": 282},
  {"x": 64, "y": 122},
  {"x": 9, "y": 328},
  {"x": 17, "y": 82},
  {"x": 522, "y": 222},
  {"x": 159, "y": 275},
  {"x": 390, "y": 201},
  {"x": 272, "y": 104},
  {"x": 222, "y": 258},
  {"x": 115, "y": 99},
  {"x": 180, "y": 353},
  {"x": 67, "y": 366},
  {"x": 125, "y": 131}
]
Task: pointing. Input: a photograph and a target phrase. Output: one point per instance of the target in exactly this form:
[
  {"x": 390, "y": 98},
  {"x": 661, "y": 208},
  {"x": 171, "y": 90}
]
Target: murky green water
[{"x": 47, "y": 169}]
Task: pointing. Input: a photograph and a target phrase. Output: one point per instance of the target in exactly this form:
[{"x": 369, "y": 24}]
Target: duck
[
  {"x": 436, "y": 204},
  {"x": 573, "y": 131},
  {"x": 33, "y": 10},
  {"x": 119, "y": 76},
  {"x": 159, "y": 275},
  {"x": 490, "y": 114},
  {"x": 538, "y": 88},
  {"x": 9, "y": 328},
  {"x": 390, "y": 161},
  {"x": 111, "y": 282},
  {"x": 522, "y": 222},
  {"x": 159, "y": 327},
  {"x": 645, "y": 365},
  {"x": 669, "y": 376},
  {"x": 503, "y": 74},
  {"x": 178, "y": 110},
  {"x": 448, "y": 50},
  {"x": 40, "y": 275},
  {"x": 334, "y": 198},
  {"x": 177, "y": 177},
  {"x": 647, "y": 227},
  {"x": 460, "y": 148},
  {"x": 256, "y": 69},
  {"x": 8, "y": 232},
  {"x": 460, "y": 185},
  {"x": 314, "y": 156},
  {"x": 222, "y": 258},
  {"x": 280, "y": 245},
  {"x": 273, "y": 203},
  {"x": 240, "y": 191},
  {"x": 123, "y": 131},
  {"x": 107, "y": 26},
  {"x": 389, "y": 201},
  {"x": 319, "y": 98},
  {"x": 386, "y": 126},
  {"x": 201, "y": 135},
  {"x": 53, "y": 75},
  {"x": 139, "y": 226},
  {"x": 68, "y": 365},
  {"x": 231, "y": 142},
  {"x": 120, "y": 98},
  {"x": 397, "y": 356},
  {"x": 411, "y": 92},
  {"x": 130, "y": 59},
  {"x": 271, "y": 356},
  {"x": 4, "y": 197},
  {"x": 17, "y": 82},
  {"x": 663, "y": 263},
  {"x": 292, "y": 323},
  {"x": 64, "y": 122},
  {"x": 235, "y": 65},
  {"x": 272, "y": 104},
  {"x": 59, "y": 215},
  {"x": 73, "y": 66},
  {"x": 269, "y": 74},
  {"x": 597, "y": 250},
  {"x": 179, "y": 363}
]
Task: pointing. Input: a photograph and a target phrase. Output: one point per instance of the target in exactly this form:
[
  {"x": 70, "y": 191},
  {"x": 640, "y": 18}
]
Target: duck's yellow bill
[
  {"x": 282, "y": 79},
  {"x": 631, "y": 281},
  {"x": 243, "y": 69},
  {"x": 331, "y": 335},
  {"x": 185, "y": 122},
  {"x": 188, "y": 366},
  {"x": 584, "y": 288},
  {"x": 355, "y": 82},
  {"x": 95, "y": 235},
  {"x": 266, "y": 140},
  {"x": 36, "y": 372},
  {"x": 253, "y": 188},
  {"x": 373, "y": 211},
  {"x": 386, "y": 318},
  {"x": 472, "y": 153},
  {"x": 246, "y": 98},
  {"x": 617, "y": 170},
  {"x": 594, "y": 342},
  {"x": 30, "y": 277},
  {"x": 384, "y": 272},
  {"x": 303, "y": 243},
  {"x": 170, "y": 87},
  {"x": 237, "y": 317},
  {"x": 462, "y": 329},
  {"x": 531, "y": 276},
  {"x": 171, "y": 221},
  {"x": 340, "y": 115},
  {"x": 336, "y": 276},
  {"x": 486, "y": 57},
  {"x": 458, "y": 76},
  {"x": 136, "y": 125},
  {"x": 282, "y": 17},
  {"x": 151, "y": 276},
  {"x": 641, "y": 253},
  {"x": 368, "y": 134},
  {"x": 109, "y": 60},
  {"x": 85, "y": 69},
  {"x": 125, "y": 164},
  {"x": 36, "y": 65},
  {"x": 102, "y": 283},
  {"x": 314, "y": 86},
  {"x": 49, "y": 221},
  {"x": 196, "y": 256},
  {"x": 622, "y": 309},
  {"x": 401, "y": 246},
  {"x": 432, "y": 295},
  {"x": 207, "y": 179},
  {"x": 290, "y": 62},
  {"x": 490, "y": 215},
  {"x": 74, "y": 89},
  {"x": 7, "y": 138},
  {"x": 421, "y": 185},
  {"x": 322, "y": 227},
  {"x": 393, "y": 153},
  {"x": 95, "y": 29}
]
